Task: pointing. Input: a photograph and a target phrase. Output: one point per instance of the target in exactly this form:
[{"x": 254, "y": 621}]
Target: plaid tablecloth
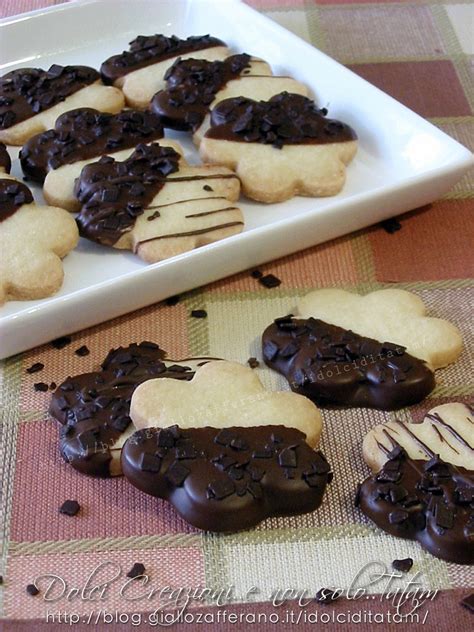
[{"x": 422, "y": 54}]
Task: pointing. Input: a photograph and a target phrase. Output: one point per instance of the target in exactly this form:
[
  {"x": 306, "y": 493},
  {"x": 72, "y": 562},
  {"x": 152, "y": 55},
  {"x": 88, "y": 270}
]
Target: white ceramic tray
[{"x": 403, "y": 161}]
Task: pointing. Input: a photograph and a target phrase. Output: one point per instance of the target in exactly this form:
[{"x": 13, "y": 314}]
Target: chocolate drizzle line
[
  {"x": 227, "y": 479},
  {"x": 285, "y": 119},
  {"x": 5, "y": 161},
  {"x": 86, "y": 133},
  {"x": 428, "y": 501},
  {"x": 28, "y": 91},
  {"x": 192, "y": 85},
  {"x": 146, "y": 50},
  {"x": 115, "y": 193},
  {"x": 331, "y": 365},
  {"x": 94, "y": 408},
  {"x": 188, "y": 233},
  {"x": 438, "y": 419},
  {"x": 13, "y": 195}
]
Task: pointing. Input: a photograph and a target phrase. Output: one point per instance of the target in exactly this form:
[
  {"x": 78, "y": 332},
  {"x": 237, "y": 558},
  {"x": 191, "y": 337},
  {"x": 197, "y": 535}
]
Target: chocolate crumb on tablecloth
[
  {"x": 391, "y": 225},
  {"x": 34, "y": 368},
  {"x": 1, "y": 580},
  {"x": 82, "y": 351},
  {"x": 403, "y": 565},
  {"x": 41, "y": 387},
  {"x": 253, "y": 363},
  {"x": 60, "y": 343},
  {"x": 173, "y": 300},
  {"x": 256, "y": 274},
  {"x": 468, "y": 602},
  {"x": 32, "y": 590},
  {"x": 269, "y": 281},
  {"x": 136, "y": 570},
  {"x": 52, "y": 386},
  {"x": 70, "y": 507},
  {"x": 199, "y": 313},
  {"x": 325, "y": 596}
]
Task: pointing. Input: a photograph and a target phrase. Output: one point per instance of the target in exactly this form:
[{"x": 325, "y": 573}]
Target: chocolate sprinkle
[
  {"x": 269, "y": 281},
  {"x": 40, "y": 387},
  {"x": 391, "y": 225},
  {"x": 5, "y": 160},
  {"x": 35, "y": 368},
  {"x": 137, "y": 570},
  {"x": 199, "y": 313},
  {"x": 32, "y": 590},
  {"x": 82, "y": 351},
  {"x": 253, "y": 363},
  {"x": 70, "y": 508},
  {"x": 60, "y": 343},
  {"x": 256, "y": 274},
  {"x": 403, "y": 565}
]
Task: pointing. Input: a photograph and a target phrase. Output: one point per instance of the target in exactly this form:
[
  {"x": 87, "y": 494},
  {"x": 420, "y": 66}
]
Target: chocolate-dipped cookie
[
  {"x": 227, "y": 479},
  {"x": 194, "y": 86},
  {"x": 281, "y": 147},
  {"x": 331, "y": 365},
  {"x": 139, "y": 71},
  {"x": 93, "y": 408},
  {"x": 5, "y": 160},
  {"x": 33, "y": 240},
  {"x": 82, "y": 136},
  {"x": 31, "y": 99},
  {"x": 155, "y": 204},
  {"x": 431, "y": 502}
]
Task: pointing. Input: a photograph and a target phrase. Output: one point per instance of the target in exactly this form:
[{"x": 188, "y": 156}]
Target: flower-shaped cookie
[
  {"x": 417, "y": 495},
  {"x": 140, "y": 71},
  {"x": 395, "y": 315},
  {"x": 227, "y": 479},
  {"x": 220, "y": 395},
  {"x": 93, "y": 408},
  {"x": 31, "y": 99},
  {"x": 195, "y": 86},
  {"x": 279, "y": 148},
  {"x": 33, "y": 240},
  {"x": 155, "y": 204}
]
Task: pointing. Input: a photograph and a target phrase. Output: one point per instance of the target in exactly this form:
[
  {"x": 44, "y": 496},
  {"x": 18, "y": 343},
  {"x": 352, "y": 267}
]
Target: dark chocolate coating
[
  {"x": 227, "y": 479},
  {"x": 151, "y": 49},
  {"x": 192, "y": 85},
  {"x": 13, "y": 195},
  {"x": 285, "y": 119},
  {"x": 27, "y": 91},
  {"x": 86, "y": 133},
  {"x": 115, "y": 193},
  {"x": 428, "y": 501},
  {"x": 5, "y": 160},
  {"x": 94, "y": 408},
  {"x": 331, "y": 365}
]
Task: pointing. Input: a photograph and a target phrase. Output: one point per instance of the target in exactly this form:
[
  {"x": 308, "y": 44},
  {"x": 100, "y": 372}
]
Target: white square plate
[{"x": 403, "y": 161}]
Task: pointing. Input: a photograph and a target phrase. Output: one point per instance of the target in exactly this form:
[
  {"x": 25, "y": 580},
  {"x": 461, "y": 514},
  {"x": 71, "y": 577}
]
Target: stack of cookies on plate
[{"x": 95, "y": 142}]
